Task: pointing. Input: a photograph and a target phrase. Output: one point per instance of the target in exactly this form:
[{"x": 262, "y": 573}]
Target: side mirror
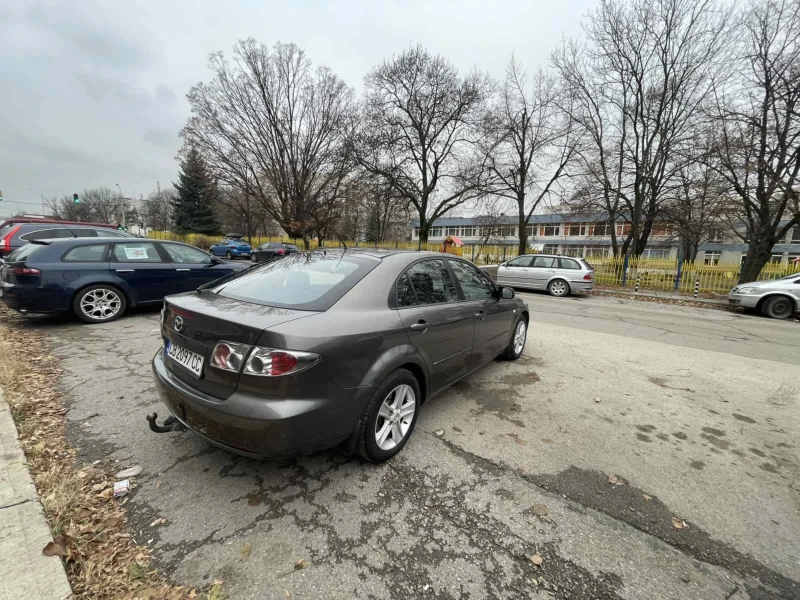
[{"x": 506, "y": 293}]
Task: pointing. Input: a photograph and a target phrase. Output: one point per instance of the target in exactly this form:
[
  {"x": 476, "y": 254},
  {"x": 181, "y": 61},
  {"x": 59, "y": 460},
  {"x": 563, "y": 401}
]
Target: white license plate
[{"x": 186, "y": 358}]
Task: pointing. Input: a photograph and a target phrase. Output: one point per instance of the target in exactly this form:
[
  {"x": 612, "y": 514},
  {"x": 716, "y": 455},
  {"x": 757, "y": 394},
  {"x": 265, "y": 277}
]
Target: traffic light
[
  {"x": 1, "y": 195},
  {"x": 75, "y": 199}
]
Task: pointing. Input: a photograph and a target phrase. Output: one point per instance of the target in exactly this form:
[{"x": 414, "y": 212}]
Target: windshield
[{"x": 303, "y": 281}]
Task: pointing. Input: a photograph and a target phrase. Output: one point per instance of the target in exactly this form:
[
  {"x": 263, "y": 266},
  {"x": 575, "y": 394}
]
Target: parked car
[
  {"x": 99, "y": 278},
  {"x": 324, "y": 348},
  {"x": 15, "y": 233},
  {"x": 776, "y": 298},
  {"x": 559, "y": 275},
  {"x": 231, "y": 246},
  {"x": 272, "y": 251}
]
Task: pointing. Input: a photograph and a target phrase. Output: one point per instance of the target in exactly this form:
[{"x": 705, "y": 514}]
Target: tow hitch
[{"x": 170, "y": 424}]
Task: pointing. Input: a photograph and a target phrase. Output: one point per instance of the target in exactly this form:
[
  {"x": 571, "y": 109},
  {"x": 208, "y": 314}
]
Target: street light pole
[{"x": 122, "y": 200}]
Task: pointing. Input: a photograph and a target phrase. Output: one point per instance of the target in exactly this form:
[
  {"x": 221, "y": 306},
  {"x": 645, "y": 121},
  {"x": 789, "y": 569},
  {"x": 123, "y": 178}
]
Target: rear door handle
[
  {"x": 125, "y": 270},
  {"x": 182, "y": 270},
  {"x": 480, "y": 315},
  {"x": 421, "y": 326}
]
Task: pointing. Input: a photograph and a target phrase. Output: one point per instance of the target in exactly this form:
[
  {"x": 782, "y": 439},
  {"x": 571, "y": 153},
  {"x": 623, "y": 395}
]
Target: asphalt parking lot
[{"x": 640, "y": 450}]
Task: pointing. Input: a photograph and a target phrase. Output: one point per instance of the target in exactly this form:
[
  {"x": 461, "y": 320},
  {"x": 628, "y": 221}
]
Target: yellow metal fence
[{"x": 651, "y": 274}]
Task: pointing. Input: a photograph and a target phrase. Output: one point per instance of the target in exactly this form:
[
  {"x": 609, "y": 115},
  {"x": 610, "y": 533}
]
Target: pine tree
[{"x": 194, "y": 206}]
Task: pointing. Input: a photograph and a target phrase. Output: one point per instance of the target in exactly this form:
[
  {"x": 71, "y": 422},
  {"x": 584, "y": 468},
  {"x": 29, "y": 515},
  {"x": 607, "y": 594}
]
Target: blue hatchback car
[
  {"x": 231, "y": 247},
  {"x": 99, "y": 278}
]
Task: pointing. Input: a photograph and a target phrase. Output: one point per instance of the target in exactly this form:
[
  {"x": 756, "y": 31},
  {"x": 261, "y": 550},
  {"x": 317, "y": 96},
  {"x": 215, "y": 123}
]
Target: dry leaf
[
  {"x": 679, "y": 523},
  {"x": 136, "y": 570},
  {"x": 157, "y": 522},
  {"x": 244, "y": 553},
  {"x": 300, "y": 564},
  {"x": 647, "y": 498},
  {"x": 540, "y": 510},
  {"x": 56, "y": 548},
  {"x": 614, "y": 480},
  {"x": 537, "y": 560},
  {"x": 216, "y": 593}
]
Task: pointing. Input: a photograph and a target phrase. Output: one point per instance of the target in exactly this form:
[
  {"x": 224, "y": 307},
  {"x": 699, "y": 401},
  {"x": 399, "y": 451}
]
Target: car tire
[
  {"x": 558, "y": 288},
  {"x": 374, "y": 418},
  {"x": 778, "y": 307},
  {"x": 99, "y": 304},
  {"x": 514, "y": 350},
  {"x": 228, "y": 255}
]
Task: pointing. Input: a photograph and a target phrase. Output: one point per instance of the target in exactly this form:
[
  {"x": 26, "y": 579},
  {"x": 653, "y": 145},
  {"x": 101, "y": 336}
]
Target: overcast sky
[{"x": 93, "y": 91}]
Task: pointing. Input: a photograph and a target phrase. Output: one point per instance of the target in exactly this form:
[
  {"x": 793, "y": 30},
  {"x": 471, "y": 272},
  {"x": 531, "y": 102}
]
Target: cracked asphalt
[{"x": 695, "y": 412}]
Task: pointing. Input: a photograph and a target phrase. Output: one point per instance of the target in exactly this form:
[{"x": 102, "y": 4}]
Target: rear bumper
[
  {"x": 581, "y": 286},
  {"x": 263, "y": 428},
  {"x": 32, "y": 299}
]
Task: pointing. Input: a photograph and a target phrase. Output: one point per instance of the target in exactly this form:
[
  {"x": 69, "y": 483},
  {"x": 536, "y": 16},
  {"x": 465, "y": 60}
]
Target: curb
[
  {"x": 685, "y": 299},
  {"x": 24, "y": 570}
]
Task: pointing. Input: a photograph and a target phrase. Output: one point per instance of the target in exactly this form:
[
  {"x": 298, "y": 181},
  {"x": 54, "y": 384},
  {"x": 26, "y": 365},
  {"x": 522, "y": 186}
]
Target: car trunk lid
[{"x": 196, "y": 322}]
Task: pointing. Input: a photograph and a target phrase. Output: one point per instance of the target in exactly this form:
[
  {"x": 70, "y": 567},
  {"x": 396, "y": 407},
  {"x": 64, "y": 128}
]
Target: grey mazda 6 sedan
[{"x": 329, "y": 348}]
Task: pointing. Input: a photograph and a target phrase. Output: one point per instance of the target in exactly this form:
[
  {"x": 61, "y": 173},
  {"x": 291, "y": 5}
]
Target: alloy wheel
[
  {"x": 101, "y": 304},
  {"x": 395, "y": 417},
  {"x": 558, "y": 288},
  {"x": 519, "y": 337}
]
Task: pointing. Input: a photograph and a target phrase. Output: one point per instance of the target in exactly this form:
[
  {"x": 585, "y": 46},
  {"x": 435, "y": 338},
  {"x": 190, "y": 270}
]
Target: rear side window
[
  {"x": 568, "y": 263},
  {"x": 544, "y": 262},
  {"x": 83, "y": 232},
  {"x": 136, "y": 252},
  {"x": 587, "y": 264},
  {"x": 45, "y": 234},
  {"x": 93, "y": 253},
  {"x": 312, "y": 281},
  {"x": 431, "y": 284}
]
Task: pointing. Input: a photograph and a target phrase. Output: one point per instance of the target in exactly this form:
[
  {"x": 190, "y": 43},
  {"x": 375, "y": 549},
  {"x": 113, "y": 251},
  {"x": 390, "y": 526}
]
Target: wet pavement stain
[
  {"x": 697, "y": 464},
  {"x": 718, "y": 442},
  {"x": 642, "y": 437},
  {"x": 757, "y": 452},
  {"x": 712, "y": 431},
  {"x": 646, "y": 428},
  {"x": 743, "y": 418},
  {"x": 680, "y": 435}
]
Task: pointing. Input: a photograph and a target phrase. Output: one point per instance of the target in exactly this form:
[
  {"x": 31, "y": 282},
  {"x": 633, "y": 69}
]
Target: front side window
[
  {"x": 93, "y": 253},
  {"x": 521, "y": 262},
  {"x": 187, "y": 254},
  {"x": 474, "y": 284},
  {"x": 136, "y": 252},
  {"x": 431, "y": 284},
  {"x": 544, "y": 262}
]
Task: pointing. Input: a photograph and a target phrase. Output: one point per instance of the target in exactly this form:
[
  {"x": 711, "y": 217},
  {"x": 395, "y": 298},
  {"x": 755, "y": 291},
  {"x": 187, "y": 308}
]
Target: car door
[
  {"x": 542, "y": 269},
  {"x": 193, "y": 267},
  {"x": 139, "y": 265},
  {"x": 493, "y": 316},
  {"x": 515, "y": 272},
  {"x": 438, "y": 323}
]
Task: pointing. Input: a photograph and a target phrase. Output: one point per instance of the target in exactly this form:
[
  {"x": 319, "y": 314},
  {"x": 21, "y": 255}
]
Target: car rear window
[
  {"x": 587, "y": 264},
  {"x": 290, "y": 247},
  {"x": 303, "y": 281},
  {"x": 24, "y": 253}
]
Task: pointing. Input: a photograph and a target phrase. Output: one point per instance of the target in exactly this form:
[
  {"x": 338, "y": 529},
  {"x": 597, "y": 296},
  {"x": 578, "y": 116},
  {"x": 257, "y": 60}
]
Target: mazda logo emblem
[{"x": 178, "y": 324}]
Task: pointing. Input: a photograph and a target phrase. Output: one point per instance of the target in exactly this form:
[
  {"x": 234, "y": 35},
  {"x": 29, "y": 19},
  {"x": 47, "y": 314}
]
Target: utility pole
[{"x": 122, "y": 200}]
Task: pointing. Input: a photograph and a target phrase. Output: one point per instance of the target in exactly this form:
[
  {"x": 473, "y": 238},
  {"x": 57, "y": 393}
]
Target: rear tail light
[
  {"x": 229, "y": 356},
  {"x": 25, "y": 271},
  {"x": 269, "y": 362},
  {"x": 588, "y": 277},
  {"x": 281, "y": 251},
  {"x": 5, "y": 243}
]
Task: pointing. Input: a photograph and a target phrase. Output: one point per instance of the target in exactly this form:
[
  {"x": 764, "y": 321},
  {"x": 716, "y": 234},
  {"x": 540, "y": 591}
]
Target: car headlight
[{"x": 747, "y": 290}]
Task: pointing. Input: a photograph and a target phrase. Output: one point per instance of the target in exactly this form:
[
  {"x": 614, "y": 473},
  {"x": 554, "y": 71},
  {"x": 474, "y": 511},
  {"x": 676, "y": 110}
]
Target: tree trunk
[
  {"x": 758, "y": 255},
  {"x": 424, "y": 226},
  {"x": 306, "y": 242},
  {"x": 523, "y": 233}
]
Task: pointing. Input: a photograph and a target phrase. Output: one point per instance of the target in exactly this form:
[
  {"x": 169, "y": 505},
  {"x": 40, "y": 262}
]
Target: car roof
[{"x": 51, "y": 222}]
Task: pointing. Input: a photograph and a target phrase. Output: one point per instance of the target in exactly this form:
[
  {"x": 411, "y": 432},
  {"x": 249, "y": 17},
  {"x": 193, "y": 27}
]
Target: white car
[
  {"x": 559, "y": 275},
  {"x": 775, "y": 298}
]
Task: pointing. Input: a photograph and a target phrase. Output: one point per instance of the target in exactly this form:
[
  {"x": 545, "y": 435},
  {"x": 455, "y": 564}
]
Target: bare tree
[
  {"x": 418, "y": 130},
  {"x": 638, "y": 86},
  {"x": 529, "y": 143},
  {"x": 157, "y": 209},
  {"x": 101, "y": 204},
  {"x": 757, "y": 125},
  {"x": 274, "y": 128}
]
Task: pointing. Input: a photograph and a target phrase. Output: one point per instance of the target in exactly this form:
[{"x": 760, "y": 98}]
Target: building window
[
  {"x": 776, "y": 259},
  {"x": 451, "y": 231},
  {"x": 549, "y": 230},
  {"x": 435, "y": 232},
  {"x": 505, "y": 230},
  {"x": 468, "y": 231},
  {"x": 576, "y": 229},
  {"x": 600, "y": 229},
  {"x": 795, "y": 236},
  {"x": 530, "y": 230},
  {"x": 416, "y": 232},
  {"x": 712, "y": 258},
  {"x": 715, "y": 236},
  {"x": 656, "y": 253},
  {"x": 597, "y": 251},
  {"x": 623, "y": 228},
  {"x": 550, "y": 249},
  {"x": 661, "y": 230},
  {"x": 573, "y": 251}
]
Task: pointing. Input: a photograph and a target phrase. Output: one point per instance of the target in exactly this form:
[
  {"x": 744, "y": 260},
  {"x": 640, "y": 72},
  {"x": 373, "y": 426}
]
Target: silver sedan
[
  {"x": 559, "y": 275},
  {"x": 775, "y": 298}
]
